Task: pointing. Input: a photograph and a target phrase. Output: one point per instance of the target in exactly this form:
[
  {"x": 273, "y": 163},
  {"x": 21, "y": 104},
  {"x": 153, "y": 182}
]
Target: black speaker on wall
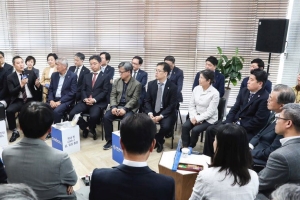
[{"x": 271, "y": 35}]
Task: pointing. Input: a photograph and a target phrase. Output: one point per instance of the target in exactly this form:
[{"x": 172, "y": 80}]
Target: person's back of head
[
  {"x": 286, "y": 192},
  {"x": 232, "y": 153},
  {"x": 137, "y": 133},
  {"x": 35, "y": 119},
  {"x": 16, "y": 192}
]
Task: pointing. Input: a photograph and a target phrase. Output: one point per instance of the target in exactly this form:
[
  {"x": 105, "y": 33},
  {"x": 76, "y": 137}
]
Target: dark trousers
[
  {"x": 108, "y": 123},
  {"x": 166, "y": 126},
  {"x": 94, "y": 111},
  {"x": 210, "y": 134},
  {"x": 59, "y": 111},
  {"x": 190, "y": 140},
  {"x": 14, "y": 107}
]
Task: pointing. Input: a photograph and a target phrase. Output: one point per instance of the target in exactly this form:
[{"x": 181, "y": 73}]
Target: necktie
[
  {"x": 158, "y": 97},
  {"x": 170, "y": 74},
  {"x": 94, "y": 79},
  {"x": 250, "y": 97},
  {"x": 134, "y": 74},
  {"x": 76, "y": 71},
  {"x": 24, "y": 95}
]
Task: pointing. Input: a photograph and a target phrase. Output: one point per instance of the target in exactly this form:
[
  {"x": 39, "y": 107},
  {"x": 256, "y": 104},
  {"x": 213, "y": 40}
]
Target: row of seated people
[{"x": 228, "y": 177}]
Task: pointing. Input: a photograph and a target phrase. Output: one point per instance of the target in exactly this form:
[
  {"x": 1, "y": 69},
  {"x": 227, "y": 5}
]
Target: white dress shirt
[
  {"x": 60, "y": 84},
  {"x": 284, "y": 140},
  {"x": 28, "y": 93}
]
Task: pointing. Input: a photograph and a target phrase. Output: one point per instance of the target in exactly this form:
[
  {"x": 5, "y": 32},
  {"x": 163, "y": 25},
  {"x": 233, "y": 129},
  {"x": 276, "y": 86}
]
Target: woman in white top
[
  {"x": 203, "y": 109},
  {"x": 229, "y": 176}
]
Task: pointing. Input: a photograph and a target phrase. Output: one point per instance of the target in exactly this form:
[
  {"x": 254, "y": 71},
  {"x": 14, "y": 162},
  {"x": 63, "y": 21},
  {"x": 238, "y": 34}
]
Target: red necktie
[{"x": 93, "y": 81}]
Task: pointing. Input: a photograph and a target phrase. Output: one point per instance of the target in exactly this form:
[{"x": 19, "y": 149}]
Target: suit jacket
[
  {"x": 219, "y": 83},
  {"x": 45, "y": 79},
  {"x": 169, "y": 98},
  {"x": 46, "y": 170},
  {"x": 14, "y": 86},
  {"x": 177, "y": 79},
  {"x": 3, "y": 176},
  {"x": 4, "y": 72},
  {"x": 131, "y": 183},
  {"x": 265, "y": 142},
  {"x": 110, "y": 71},
  {"x": 252, "y": 115},
  {"x": 282, "y": 167},
  {"x": 142, "y": 77},
  {"x": 267, "y": 86},
  {"x": 83, "y": 72},
  {"x": 68, "y": 90},
  {"x": 132, "y": 95},
  {"x": 99, "y": 91},
  {"x": 35, "y": 70}
]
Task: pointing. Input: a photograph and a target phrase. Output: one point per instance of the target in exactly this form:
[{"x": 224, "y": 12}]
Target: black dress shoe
[
  {"x": 14, "y": 136},
  {"x": 160, "y": 147},
  {"x": 85, "y": 133},
  {"x": 49, "y": 136},
  {"x": 94, "y": 134}
]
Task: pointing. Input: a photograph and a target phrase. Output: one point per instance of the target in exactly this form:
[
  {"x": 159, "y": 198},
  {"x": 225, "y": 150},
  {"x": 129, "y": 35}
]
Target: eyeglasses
[
  {"x": 277, "y": 116},
  {"x": 158, "y": 71}
]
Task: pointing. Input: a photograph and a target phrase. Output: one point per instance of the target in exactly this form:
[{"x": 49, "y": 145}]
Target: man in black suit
[
  {"x": 267, "y": 141},
  {"x": 108, "y": 70},
  {"x": 133, "y": 180},
  {"x": 80, "y": 70},
  {"x": 23, "y": 87},
  {"x": 211, "y": 64},
  {"x": 5, "y": 70},
  {"x": 93, "y": 97},
  {"x": 249, "y": 111},
  {"x": 141, "y": 76},
  {"x": 62, "y": 90},
  {"x": 160, "y": 103}
]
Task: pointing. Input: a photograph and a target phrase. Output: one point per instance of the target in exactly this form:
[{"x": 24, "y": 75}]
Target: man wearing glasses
[
  {"x": 124, "y": 100},
  {"x": 160, "y": 103},
  {"x": 284, "y": 163}
]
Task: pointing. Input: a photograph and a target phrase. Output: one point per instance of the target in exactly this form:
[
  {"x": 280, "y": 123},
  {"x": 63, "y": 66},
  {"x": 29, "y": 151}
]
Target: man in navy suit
[
  {"x": 93, "y": 97},
  {"x": 5, "y": 70},
  {"x": 133, "y": 180},
  {"x": 211, "y": 64},
  {"x": 176, "y": 77},
  {"x": 80, "y": 70},
  {"x": 267, "y": 141},
  {"x": 257, "y": 63},
  {"x": 160, "y": 103},
  {"x": 249, "y": 111},
  {"x": 141, "y": 76},
  {"x": 23, "y": 87},
  {"x": 108, "y": 70},
  {"x": 62, "y": 89}
]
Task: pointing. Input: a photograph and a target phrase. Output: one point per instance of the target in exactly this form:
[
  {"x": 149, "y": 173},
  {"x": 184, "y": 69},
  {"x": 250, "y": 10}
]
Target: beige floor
[{"x": 93, "y": 156}]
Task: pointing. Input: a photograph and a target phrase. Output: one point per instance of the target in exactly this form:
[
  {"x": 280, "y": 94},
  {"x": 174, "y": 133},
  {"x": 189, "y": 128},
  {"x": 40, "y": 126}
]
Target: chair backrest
[{"x": 221, "y": 108}]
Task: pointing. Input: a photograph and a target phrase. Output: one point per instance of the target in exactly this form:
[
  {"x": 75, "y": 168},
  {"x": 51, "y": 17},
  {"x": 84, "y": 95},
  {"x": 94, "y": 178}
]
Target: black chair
[{"x": 178, "y": 114}]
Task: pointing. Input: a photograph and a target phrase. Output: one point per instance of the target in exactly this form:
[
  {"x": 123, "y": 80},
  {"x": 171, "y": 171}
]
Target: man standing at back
[
  {"x": 107, "y": 70},
  {"x": 133, "y": 180},
  {"x": 141, "y": 76}
]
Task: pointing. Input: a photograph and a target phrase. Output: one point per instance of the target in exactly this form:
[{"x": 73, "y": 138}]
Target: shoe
[
  {"x": 160, "y": 147},
  {"x": 85, "y": 133},
  {"x": 14, "y": 136},
  {"x": 49, "y": 136},
  {"x": 107, "y": 146},
  {"x": 93, "y": 132},
  {"x": 169, "y": 135}
]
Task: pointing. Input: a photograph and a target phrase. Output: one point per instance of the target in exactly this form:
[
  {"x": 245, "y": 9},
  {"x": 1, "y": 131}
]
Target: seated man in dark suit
[
  {"x": 211, "y": 64},
  {"x": 62, "y": 90},
  {"x": 176, "y": 77},
  {"x": 255, "y": 64},
  {"x": 141, "y": 76},
  {"x": 124, "y": 100},
  {"x": 133, "y": 180},
  {"x": 80, "y": 70},
  {"x": 5, "y": 70},
  {"x": 267, "y": 141},
  {"x": 93, "y": 97},
  {"x": 108, "y": 70},
  {"x": 283, "y": 163},
  {"x": 23, "y": 87},
  {"x": 249, "y": 111},
  {"x": 160, "y": 103}
]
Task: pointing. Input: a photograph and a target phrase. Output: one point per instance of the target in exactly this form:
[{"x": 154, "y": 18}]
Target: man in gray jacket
[{"x": 48, "y": 171}]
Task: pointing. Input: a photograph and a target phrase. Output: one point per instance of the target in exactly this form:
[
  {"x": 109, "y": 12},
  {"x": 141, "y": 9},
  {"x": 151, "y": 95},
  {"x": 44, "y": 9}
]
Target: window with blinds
[{"x": 189, "y": 30}]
